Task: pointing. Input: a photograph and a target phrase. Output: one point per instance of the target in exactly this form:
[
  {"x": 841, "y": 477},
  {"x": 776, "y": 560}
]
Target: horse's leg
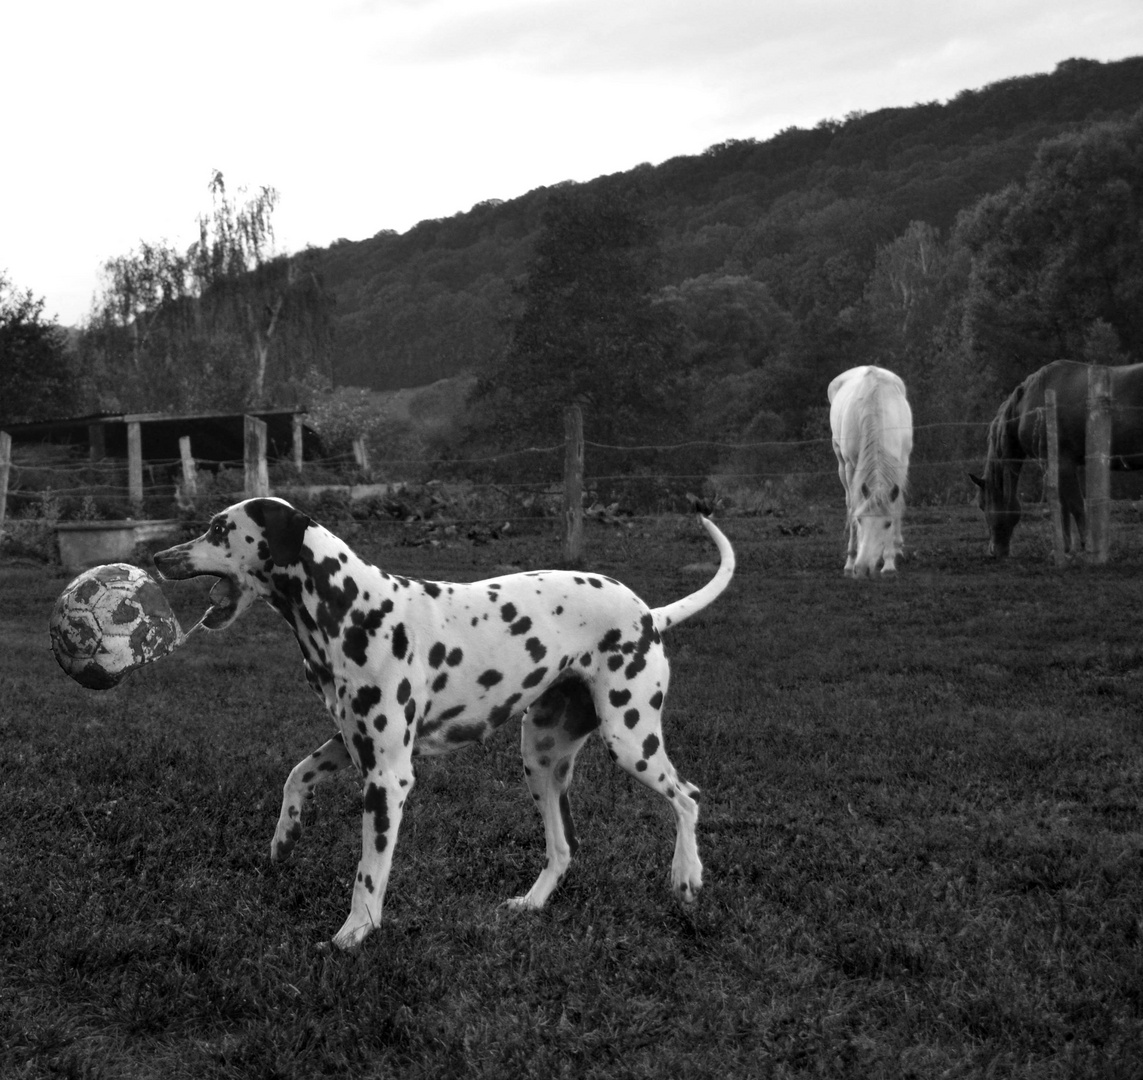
[
  {"x": 845, "y": 472},
  {"x": 1071, "y": 506},
  {"x": 851, "y": 533}
]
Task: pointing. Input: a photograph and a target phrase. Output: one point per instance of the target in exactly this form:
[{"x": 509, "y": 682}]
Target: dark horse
[{"x": 1019, "y": 431}]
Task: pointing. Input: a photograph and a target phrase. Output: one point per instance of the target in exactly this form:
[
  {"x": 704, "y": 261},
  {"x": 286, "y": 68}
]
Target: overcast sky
[{"x": 376, "y": 114}]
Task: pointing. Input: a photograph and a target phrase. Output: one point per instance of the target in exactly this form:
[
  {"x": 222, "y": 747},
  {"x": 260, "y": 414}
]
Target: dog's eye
[{"x": 217, "y": 530}]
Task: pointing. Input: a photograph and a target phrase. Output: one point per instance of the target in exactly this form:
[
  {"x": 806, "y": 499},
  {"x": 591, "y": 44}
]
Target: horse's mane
[
  {"x": 877, "y": 469},
  {"x": 1004, "y": 450}
]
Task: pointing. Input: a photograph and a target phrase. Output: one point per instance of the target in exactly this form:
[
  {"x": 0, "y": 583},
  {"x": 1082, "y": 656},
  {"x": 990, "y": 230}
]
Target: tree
[
  {"x": 35, "y": 381},
  {"x": 236, "y": 274},
  {"x": 589, "y": 330},
  {"x": 227, "y": 325},
  {"x": 732, "y": 322},
  {"x": 1055, "y": 255}
]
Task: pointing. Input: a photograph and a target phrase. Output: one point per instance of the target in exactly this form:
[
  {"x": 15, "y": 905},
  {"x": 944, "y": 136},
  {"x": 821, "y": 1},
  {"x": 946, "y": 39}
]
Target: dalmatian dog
[{"x": 408, "y": 668}]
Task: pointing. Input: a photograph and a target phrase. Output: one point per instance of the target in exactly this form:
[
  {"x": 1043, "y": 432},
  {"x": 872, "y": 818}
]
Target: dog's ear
[{"x": 285, "y": 529}]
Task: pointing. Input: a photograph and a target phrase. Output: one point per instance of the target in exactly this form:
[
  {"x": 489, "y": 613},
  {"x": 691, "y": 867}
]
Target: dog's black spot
[
  {"x": 619, "y": 697},
  {"x": 400, "y": 641},
  {"x": 489, "y": 678},
  {"x": 448, "y": 714},
  {"x": 466, "y": 733},
  {"x": 371, "y": 620},
  {"x": 640, "y": 766},
  {"x": 365, "y": 755},
  {"x": 376, "y": 802},
  {"x": 614, "y": 663},
  {"x": 508, "y": 612},
  {"x": 410, "y": 711},
  {"x": 650, "y": 745},
  {"x": 562, "y": 770},
  {"x": 404, "y": 689},
  {"x": 536, "y": 649},
  {"x": 431, "y": 589},
  {"x": 334, "y": 602},
  {"x": 454, "y": 658},
  {"x": 585, "y": 660},
  {"x": 649, "y": 637},
  {"x": 437, "y": 654},
  {"x": 379, "y": 721},
  {"x": 307, "y": 777},
  {"x": 439, "y": 682},
  {"x": 355, "y": 644},
  {"x": 595, "y": 583},
  {"x": 610, "y": 641},
  {"x": 534, "y": 678},
  {"x": 569, "y": 825},
  {"x": 503, "y": 713},
  {"x": 631, "y": 717},
  {"x": 521, "y": 626},
  {"x": 367, "y": 698},
  {"x": 656, "y": 701}
]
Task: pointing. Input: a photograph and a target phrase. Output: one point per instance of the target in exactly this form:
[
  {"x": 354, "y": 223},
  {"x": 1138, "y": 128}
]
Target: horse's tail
[{"x": 679, "y": 610}]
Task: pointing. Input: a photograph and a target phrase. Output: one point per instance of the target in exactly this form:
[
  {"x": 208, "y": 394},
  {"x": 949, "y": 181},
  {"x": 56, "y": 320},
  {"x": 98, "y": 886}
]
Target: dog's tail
[{"x": 676, "y": 612}]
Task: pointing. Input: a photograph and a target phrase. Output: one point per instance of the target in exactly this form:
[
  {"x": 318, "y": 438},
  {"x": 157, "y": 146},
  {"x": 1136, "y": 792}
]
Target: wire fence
[{"x": 511, "y": 486}]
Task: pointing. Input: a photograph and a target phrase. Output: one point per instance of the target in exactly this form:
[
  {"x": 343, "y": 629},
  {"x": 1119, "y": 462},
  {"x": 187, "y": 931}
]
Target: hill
[{"x": 805, "y": 213}]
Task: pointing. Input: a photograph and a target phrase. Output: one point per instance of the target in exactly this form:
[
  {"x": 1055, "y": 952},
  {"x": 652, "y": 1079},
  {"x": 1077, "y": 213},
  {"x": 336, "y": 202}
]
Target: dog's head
[{"x": 242, "y": 546}]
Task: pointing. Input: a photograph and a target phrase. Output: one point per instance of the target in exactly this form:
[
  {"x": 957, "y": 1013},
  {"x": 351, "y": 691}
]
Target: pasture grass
[{"x": 922, "y": 827}]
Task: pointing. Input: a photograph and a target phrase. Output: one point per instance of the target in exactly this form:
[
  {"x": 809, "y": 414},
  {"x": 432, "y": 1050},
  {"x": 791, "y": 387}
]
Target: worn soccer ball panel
[{"x": 109, "y": 621}]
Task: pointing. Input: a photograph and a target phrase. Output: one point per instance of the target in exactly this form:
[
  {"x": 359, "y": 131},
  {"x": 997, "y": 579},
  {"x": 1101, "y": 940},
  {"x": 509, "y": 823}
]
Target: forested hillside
[
  {"x": 802, "y": 214},
  {"x": 705, "y": 301}
]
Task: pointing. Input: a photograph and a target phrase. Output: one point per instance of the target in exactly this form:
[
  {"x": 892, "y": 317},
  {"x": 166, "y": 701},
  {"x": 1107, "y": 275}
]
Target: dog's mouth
[{"x": 224, "y": 597}]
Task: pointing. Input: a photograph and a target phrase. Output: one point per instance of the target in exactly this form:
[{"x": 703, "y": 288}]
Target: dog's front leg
[
  {"x": 299, "y": 789},
  {"x": 383, "y": 803}
]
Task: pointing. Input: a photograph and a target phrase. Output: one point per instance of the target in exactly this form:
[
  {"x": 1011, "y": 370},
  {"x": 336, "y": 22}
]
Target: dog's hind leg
[
  {"x": 552, "y": 732},
  {"x": 632, "y": 730},
  {"x": 298, "y": 791}
]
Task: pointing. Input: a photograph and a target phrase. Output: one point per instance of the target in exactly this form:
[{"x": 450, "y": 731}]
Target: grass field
[{"x": 922, "y": 829}]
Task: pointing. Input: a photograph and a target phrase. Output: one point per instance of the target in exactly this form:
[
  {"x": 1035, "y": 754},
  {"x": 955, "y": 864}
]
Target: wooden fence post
[
  {"x": 254, "y": 444},
  {"x": 573, "y": 486},
  {"x": 135, "y": 466},
  {"x": 1097, "y": 464},
  {"x": 361, "y": 455},
  {"x": 298, "y": 443},
  {"x": 1052, "y": 478},
  {"x": 5, "y": 467},
  {"x": 190, "y": 473}
]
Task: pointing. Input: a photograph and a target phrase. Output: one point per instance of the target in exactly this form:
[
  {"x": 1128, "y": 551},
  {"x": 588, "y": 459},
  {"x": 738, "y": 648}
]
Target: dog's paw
[
  {"x": 349, "y": 938},
  {"x": 686, "y": 880},
  {"x": 687, "y": 891},
  {"x": 521, "y": 903}
]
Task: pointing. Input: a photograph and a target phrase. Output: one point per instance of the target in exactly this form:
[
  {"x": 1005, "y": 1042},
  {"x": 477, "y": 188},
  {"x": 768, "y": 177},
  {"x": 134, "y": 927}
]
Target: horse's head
[
  {"x": 997, "y": 488},
  {"x": 878, "y": 518}
]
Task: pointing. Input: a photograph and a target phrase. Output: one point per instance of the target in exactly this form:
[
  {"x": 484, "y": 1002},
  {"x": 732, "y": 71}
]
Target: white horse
[{"x": 872, "y": 427}]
